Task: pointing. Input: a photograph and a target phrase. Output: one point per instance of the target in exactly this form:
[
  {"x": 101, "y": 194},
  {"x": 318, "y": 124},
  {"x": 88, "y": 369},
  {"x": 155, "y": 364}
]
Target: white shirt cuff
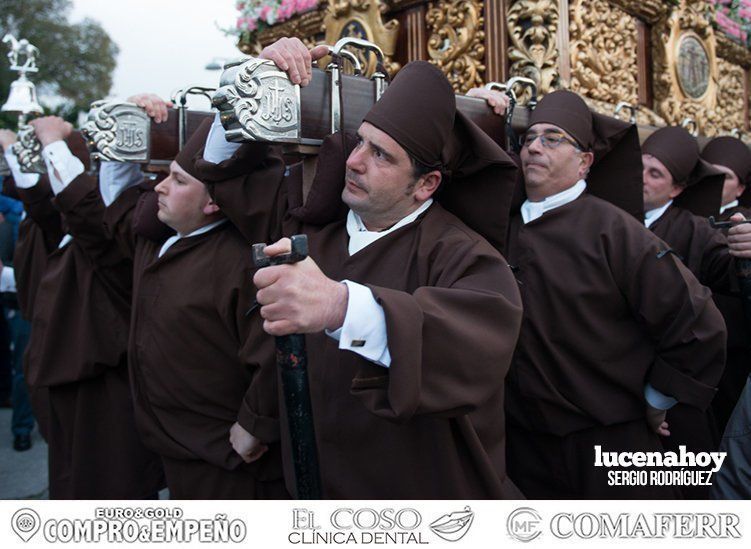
[
  {"x": 23, "y": 180},
  {"x": 116, "y": 177},
  {"x": 658, "y": 400},
  {"x": 364, "y": 328},
  {"x": 61, "y": 162},
  {"x": 8, "y": 280}
]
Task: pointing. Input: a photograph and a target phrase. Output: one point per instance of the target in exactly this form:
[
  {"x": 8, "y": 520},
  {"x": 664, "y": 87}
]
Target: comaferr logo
[
  {"x": 644, "y": 526},
  {"x": 454, "y": 526}
]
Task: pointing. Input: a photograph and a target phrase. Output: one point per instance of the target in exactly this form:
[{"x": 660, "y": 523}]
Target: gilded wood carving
[
  {"x": 457, "y": 41},
  {"x": 685, "y": 66},
  {"x": 533, "y": 25},
  {"x": 730, "y": 97},
  {"x": 362, "y": 19},
  {"x": 603, "y": 45},
  {"x": 306, "y": 27}
]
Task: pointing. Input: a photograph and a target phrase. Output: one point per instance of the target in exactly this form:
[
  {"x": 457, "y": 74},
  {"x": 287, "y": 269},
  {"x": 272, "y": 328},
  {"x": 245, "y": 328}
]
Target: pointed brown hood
[{"x": 734, "y": 154}]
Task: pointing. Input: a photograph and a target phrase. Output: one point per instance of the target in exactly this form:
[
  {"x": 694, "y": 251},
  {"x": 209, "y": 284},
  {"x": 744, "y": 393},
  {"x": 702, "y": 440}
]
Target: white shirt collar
[
  {"x": 534, "y": 210},
  {"x": 360, "y": 237},
  {"x": 727, "y": 206},
  {"x": 172, "y": 239},
  {"x": 653, "y": 215}
]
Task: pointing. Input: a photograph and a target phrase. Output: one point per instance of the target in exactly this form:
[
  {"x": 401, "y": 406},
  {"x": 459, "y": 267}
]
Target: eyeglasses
[{"x": 548, "y": 140}]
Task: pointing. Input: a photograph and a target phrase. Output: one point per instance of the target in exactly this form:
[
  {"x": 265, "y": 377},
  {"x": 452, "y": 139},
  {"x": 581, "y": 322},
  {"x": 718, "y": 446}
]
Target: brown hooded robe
[{"x": 431, "y": 426}]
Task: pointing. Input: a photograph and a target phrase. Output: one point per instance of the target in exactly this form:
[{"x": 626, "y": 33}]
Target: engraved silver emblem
[
  {"x": 118, "y": 132},
  {"x": 257, "y": 102},
  {"x": 28, "y": 150}
]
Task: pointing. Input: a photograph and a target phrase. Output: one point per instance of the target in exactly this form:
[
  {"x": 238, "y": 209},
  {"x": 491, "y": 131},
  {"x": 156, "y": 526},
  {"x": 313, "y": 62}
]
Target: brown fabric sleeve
[
  {"x": 259, "y": 411},
  {"x": 37, "y": 201},
  {"x": 29, "y": 262},
  {"x": 678, "y": 313},
  {"x": 83, "y": 211},
  {"x": 451, "y": 343},
  {"x": 9, "y": 187},
  {"x": 247, "y": 188},
  {"x": 672, "y": 381},
  {"x": 717, "y": 265},
  {"x": 118, "y": 221}
]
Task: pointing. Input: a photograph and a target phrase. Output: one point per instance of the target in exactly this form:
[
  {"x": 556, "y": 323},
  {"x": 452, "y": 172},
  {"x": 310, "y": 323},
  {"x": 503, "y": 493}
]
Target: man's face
[
  {"x": 659, "y": 187},
  {"x": 380, "y": 185},
  {"x": 184, "y": 202},
  {"x": 556, "y": 167},
  {"x": 732, "y": 188}
]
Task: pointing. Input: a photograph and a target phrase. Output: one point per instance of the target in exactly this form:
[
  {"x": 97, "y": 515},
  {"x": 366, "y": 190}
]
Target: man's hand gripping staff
[{"x": 277, "y": 281}]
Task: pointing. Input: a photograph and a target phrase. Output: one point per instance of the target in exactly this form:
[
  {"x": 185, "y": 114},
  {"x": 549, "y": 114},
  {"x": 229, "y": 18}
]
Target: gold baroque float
[
  {"x": 603, "y": 45},
  {"x": 457, "y": 41},
  {"x": 362, "y": 19},
  {"x": 648, "y": 10},
  {"x": 533, "y": 25},
  {"x": 730, "y": 97},
  {"x": 305, "y": 27},
  {"x": 685, "y": 65}
]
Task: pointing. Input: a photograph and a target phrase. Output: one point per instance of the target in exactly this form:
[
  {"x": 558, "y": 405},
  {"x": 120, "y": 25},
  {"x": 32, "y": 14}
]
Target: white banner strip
[{"x": 284, "y": 524}]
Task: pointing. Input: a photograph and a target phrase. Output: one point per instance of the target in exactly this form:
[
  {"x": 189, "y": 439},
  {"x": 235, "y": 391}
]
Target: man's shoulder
[
  {"x": 226, "y": 239},
  {"x": 441, "y": 226},
  {"x": 689, "y": 223},
  {"x": 617, "y": 230},
  {"x": 606, "y": 217}
]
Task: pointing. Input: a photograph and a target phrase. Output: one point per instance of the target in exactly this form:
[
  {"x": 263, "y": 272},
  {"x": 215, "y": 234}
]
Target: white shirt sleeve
[
  {"x": 658, "y": 400},
  {"x": 8, "y": 280},
  {"x": 23, "y": 180},
  {"x": 364, "y": 328},
  {"x": 217, "y": 148},
  {"x": 61, "y": 162},
  {"x": 116, "y": 177}
]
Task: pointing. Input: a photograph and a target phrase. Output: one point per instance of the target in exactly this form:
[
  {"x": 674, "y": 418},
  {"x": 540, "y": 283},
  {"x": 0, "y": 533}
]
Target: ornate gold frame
[
  {"x": 366, "y": 13},
  {"x": 671, "y": 102}
]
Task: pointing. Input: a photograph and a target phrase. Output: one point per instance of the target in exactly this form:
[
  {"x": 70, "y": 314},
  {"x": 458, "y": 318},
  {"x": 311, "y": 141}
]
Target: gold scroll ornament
[
  {"x": 457, "y": 41},
  {"x": 362, "y": 19},
  {"x": 533, "y": 27}
]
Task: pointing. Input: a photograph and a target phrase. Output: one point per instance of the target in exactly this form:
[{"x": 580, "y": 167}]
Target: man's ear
[
  {"x": 741, "y": 190},
  {"x": 210, "y": 207},
  {"x": 587, "y": 159},
  {"x": 675, "y": 190},
  {"x": 427, "y": 185}
]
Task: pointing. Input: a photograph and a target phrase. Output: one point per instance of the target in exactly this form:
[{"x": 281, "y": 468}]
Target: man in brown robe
[
  {"x": 680, "y": 191},
  {"x": 410, "y": 316},
  {"x": 612, "y": 323},
  {"x": 732, "y": 157},
  {"x": 79, "y": 318},
  {"x": 202, "y": 370}
]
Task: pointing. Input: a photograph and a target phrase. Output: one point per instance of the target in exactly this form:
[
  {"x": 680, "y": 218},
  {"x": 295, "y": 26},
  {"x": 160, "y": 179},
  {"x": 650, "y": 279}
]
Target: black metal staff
[{"x": 292, "y": 360}]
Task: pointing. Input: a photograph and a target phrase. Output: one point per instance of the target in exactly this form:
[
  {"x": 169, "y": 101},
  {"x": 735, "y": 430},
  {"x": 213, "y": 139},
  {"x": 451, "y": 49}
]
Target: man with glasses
[{"x": 614, "y": 327}]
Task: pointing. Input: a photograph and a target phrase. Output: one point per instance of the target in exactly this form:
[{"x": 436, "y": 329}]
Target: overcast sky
[{"x": 164, "y": 44}]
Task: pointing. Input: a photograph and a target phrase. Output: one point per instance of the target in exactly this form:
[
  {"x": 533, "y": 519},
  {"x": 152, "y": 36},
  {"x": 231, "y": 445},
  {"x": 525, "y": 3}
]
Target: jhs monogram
[
  {"x": 130, "y": 135},
  {"x": 275, "y": 105}
]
